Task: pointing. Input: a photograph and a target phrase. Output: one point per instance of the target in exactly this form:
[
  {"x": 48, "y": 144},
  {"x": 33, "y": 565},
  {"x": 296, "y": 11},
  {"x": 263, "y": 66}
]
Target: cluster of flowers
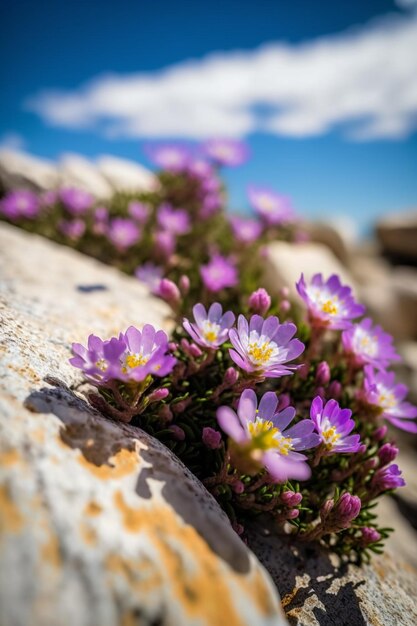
[
  {"x": 179, "y": 229},
  {"x": 292, "y": 429}
]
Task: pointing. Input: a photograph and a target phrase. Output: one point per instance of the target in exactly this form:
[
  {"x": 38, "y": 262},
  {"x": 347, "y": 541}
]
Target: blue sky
[{"x": 324, "y": 92}]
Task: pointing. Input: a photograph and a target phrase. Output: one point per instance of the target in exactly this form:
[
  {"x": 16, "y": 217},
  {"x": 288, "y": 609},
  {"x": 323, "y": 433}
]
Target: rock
[
  {"x": 21, "y": 170},
  {"x": 100, "y": 523},
  {"x": 79, "y": 172},
  {"x": 315, "y": 591},
  {"x": 397, "y": 235},
  {"x": 126, "y": 175},
  {"x": 284, "y": 263},
  {"x": 405, "y": 287},
  {"x": 407, "y": 369},
  {"x": 332, "y": 238}
]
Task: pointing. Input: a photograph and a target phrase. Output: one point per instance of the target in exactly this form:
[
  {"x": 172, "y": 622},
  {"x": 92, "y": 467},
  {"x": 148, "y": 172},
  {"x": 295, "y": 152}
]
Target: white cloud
[
  {"x": 365, "y": 79},
  {"x": 12, "y": 141}
]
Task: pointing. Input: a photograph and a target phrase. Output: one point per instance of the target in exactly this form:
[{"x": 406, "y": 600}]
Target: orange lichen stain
[
  {"x": 88, "y": 534},
  {"x": 50, "y": 550},
  {"x": 92, "y": 508},
  {"x": 11, "y": 519},
  {"x": 9, "y": 457},
  {"x": 38, "y": 435},
  {"x": 26, "y": 372},
  {"x": 141, "y": 577},
  {"x": 289, "y": 597},
  {"x": 121, "y": 464},
  {"x": 201, "y": 589}
]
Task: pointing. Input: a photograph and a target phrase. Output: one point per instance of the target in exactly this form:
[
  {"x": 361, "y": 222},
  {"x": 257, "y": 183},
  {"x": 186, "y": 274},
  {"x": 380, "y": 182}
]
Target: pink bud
[
  {"x": 284, "y": 292},
  {"x": 230, "y": 377},
  {"x": 184, "y": 284},
  {"x": 285, "y": 306},
  {"x": 260, "y": 301},
  {"x": 380, "y": 433},
  {"x": 179, "y": 407},
  {"x": 292, "y": 513},
  {"x": 335, "y": 389},
  {"x": 303, "y": 370},
  {"x": 326, "y": 509},
  {"x": 211, "y": 438},
  {"x": 291, "y": 498},
  {"x": 322, "y": 373},
  {"x": 238, "y": 487},
  {"x": 238, "y": 528},
  {"x": 387, "y": 453},
  {"x": 362, "y": 449},
  {"x": 177, "y": 432},
  {"x": 172, "y": 346},
  {"x": 168, "y": 291},
  {"x": 165, "y": 413},
  {"x": 347, "y": 508},
  {"x": 164, "y": 243},
  {"x": 158, "y": 394},
  {"x": 370, "y": 535}
]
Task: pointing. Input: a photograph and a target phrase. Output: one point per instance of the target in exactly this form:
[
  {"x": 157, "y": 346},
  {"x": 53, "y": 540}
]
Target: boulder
[
  {"x": 397, "y": 235},
  {"x": 77, "y": 171},
  {"x": 284, "y": 263},
  {"x": 21, "y": 170},
  {"x": 126, "y": 176},
  {"x": 100, "y": 523},
  {"x": 316, "y": 590}
]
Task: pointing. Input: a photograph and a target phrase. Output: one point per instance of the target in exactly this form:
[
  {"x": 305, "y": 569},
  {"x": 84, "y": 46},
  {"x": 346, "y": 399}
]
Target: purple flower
[
  {"x": 226, "y": 151},
  {"x": 73, "y": 229},
  {"x": 175, "y": 221},
  {"x": 265, "y": 346},
  {"x": 48, "y": 198},
  {"x": 171, "y": 157},
  {"x": 210, "y": 329},
  {"x": 123, "y": 233},
  {"x": 322, "y": 373},
  {"x": 168, "y": 291},
  {"x": 150, "y": 274},
  {"x": 219, "y": 273},
  {"x": 261, "y": 435},
  {"x": 369, "y": 535},
  {"x": 210, "y": 204},
  {"x": 246, "y": 230},
  {"x": 369, "y": 344},
  {"x": 387, "y": 478},
  {"x": 131, "y": 357},
  {"x": 271, "y": 206},
  {"x": 381, "y": 390},
  {"x": 330, "y": 304},
  {"x": 387, "y": 453},
  {"x": 334, "y": 426},
  {"x": 138, "y": 211},
  {"x": 101, "y": 214},
  {"x": 76, "y": 201},
  {"x": 20, "y": 203},
  {"x": 347, "y": 509}
]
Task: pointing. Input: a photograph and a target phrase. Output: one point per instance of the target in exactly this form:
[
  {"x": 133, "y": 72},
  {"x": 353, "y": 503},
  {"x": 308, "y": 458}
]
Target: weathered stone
[
  {"x": 284, "y": 263},
  {"x": 315, "y": 591},
  {"x": 126, "y": 175},
  {"x": 77, "y": 171},
  {"x": 397, "y": 235},
  {"x": 100, "y": 524},
  {"x": 21, "y": 170},
  {"x": 332, "y": 238}
]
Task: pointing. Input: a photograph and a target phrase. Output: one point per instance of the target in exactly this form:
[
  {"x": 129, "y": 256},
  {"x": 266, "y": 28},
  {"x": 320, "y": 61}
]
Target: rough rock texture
[
  {"x": 314, "y": 591},
  {"x": 99, "y": 523}
]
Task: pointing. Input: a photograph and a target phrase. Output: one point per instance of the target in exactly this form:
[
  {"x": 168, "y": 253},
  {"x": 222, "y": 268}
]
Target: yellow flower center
[
  {"x": 266, "y": 203},
  {"x": 211, "y": 331},
  {"x": 387, "y": 400},
  {"x": 102, "y": 365},
  {"x": 329, "y": 307},
  {"x": 330, "y": 437},
  {"x": 260, "y": 353},
  {"x": 135, "y": 360},
  {"x": 265, "y": 436}
]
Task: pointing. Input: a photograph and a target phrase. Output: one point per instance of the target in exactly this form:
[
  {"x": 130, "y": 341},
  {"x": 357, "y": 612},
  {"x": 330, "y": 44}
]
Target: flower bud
[
  {"x": 284, "y": 292},
  {"x": 165, "y": 413},
  {"x": 164, "y": 243},
  {"x": 238, "y": 528},
  {"x": 179, "y": 407},
  {"x": 291, "y": 498},
  {"x": 238, "y": 487},
  {"x": 212, "y": 438},
  {"x": 292, "y": 514},
  {"x": 380, "y": 432},
  {"x": 369, "y": 535},
  {"x": 177, "y": 432},
  {"x": 184, "y": 284},
  {"x": 322, "y": 373},
  {"x": 326, "y": 509},
  {"x": 347, "y": 509},
  {"x": 387, "y": 478},
  {"x": 190, "y": 349},
  {"x": 260, "y": 301},
  {"x": 169, "y": 292},
  {"x": 158, "y": 394},
  {"x": 387, "y": 453},
  {"x": 285, "y": 306},
  {"x": 172, "y": 345},
  {"x": 303, "y": 370},
  {"x": 230, "y": 378},
  {"x": 335, "y": 389}
]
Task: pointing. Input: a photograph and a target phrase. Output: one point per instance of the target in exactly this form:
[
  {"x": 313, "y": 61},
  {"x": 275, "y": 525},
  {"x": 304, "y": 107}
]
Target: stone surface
[
  {"x": 126, "y": 175},
  {"x": 18, "y": 169},
  {"x": 315, "y": 591},
  {"x": 100, "y": 524},
  {"x": 284, "y": 263},
  {"x": 77, "y": 171},
  {"x": 397, "y": 235}
]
